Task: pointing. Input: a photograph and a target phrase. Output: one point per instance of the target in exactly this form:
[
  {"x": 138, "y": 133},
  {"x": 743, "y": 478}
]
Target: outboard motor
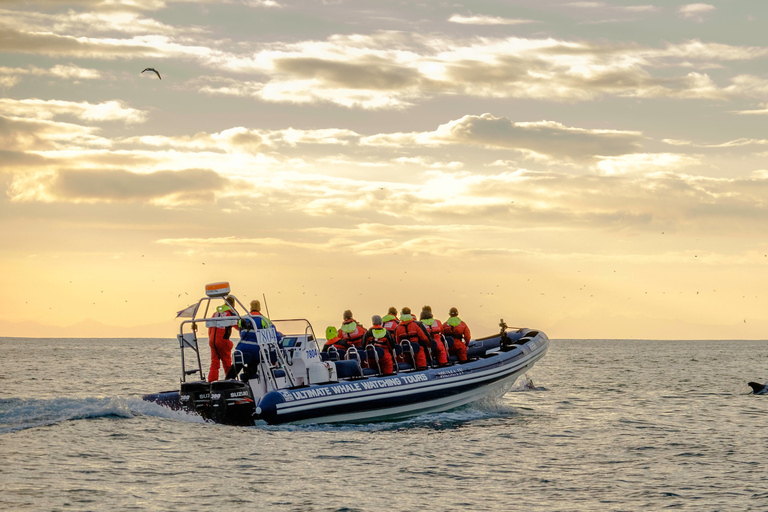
[
  {"x": 232, "y": 403},
  {"x": 195, "y": 397}
]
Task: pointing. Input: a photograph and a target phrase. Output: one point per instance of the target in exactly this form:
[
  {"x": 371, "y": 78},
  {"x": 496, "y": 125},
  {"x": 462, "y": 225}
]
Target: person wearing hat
[
  {"x": 218, "y": 340},
  {"x": 379, "y": 337},
  {"x": 351, "y": 331},
  {"x": 457, "y": 334},
  {"x": 412, "y": 331},
  {"x": 435, "y": 330}
]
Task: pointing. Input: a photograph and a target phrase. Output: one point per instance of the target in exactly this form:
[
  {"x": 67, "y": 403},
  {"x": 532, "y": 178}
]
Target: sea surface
[{"x": 605, "y": 425}]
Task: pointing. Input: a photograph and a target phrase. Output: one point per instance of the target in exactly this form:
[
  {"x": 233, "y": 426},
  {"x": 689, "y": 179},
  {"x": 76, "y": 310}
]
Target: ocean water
[{"x": 608, "y": 425}]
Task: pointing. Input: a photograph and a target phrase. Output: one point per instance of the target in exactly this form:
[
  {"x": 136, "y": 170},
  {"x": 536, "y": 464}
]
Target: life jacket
[
  {"x": 334, "y": 341},
  {"x": 262, "y": 322},
  {"x": 390, "y": 323},
  {"x": 222, "y": 332},
  {"x": 457, "y": 329},
  {"x": 380, "y": 337},
  {"x": 434, "y": 328},
  {"x": 352, "y": 332},
  {"x": 411, "y": 330}
]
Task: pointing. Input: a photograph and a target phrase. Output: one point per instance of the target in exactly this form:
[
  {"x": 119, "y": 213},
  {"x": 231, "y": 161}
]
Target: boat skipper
[
  {"x": 249, "y": 344},
  {"x": 262, "y": 322},
  {"x": 218, "y": 340}
]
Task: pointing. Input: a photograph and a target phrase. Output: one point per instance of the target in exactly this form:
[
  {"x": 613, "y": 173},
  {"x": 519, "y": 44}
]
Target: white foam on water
[{"x": 19, "y": 414}]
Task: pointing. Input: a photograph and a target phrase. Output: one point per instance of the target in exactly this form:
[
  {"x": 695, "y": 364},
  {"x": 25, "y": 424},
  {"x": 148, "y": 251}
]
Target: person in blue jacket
[{"x": 249, "y": 344}]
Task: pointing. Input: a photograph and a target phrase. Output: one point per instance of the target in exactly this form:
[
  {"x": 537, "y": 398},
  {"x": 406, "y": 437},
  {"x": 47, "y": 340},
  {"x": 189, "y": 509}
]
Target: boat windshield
[{"x": 295, "y": 328}]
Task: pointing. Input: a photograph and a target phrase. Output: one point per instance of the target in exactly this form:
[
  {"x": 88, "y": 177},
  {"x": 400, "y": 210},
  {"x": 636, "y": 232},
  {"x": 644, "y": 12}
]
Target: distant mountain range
[{"x": 87, "y": 329}]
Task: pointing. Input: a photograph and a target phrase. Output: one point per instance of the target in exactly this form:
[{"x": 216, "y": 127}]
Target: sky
[{"x": 591, "y": 169}]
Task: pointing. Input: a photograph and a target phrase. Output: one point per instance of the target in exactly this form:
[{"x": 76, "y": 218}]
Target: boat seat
[
  {"x": 399, "y": 365},
  {"x": 354, "y": 354},
  {"x": 347, "y": 368},
  {"x": 373, "y": 354},
  {"x": 333, "y": 354},
  {"x": 409, "y": 352}
]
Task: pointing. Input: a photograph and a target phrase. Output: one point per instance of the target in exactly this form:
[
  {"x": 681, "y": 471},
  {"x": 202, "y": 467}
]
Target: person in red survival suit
[
  {"x": 459, "y": 332},
  {"x": 351, "y": 331},
  {"x": 435, "y": 330},
  {"x": 379, "y": 337},
  {"x": 412, "y": 331},
  {"x": 390, "y": 321},
  {"x": 218, "y": 340}
]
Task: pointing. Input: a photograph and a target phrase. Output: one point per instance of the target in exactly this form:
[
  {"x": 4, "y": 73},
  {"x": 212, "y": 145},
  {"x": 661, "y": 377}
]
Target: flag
[{"x": 188, "y": 312}]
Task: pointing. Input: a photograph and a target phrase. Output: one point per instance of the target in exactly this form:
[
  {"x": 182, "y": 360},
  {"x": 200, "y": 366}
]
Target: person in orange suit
[
  {"x": 412, "y": 331},
  {"x": 459, "y": 332},
  {"x": 351, "y": 331},
  {"x": 332, "y": 339},
  {"x": 435, "y": 330},
  {"x": 390, "y": 320},
  {"x": 379, "y": 337},
  {"x": 218, "y": 340}
]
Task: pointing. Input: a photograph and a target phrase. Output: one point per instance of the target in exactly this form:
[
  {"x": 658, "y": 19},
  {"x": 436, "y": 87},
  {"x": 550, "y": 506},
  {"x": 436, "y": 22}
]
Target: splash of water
[{"x": 20, "y": 414}]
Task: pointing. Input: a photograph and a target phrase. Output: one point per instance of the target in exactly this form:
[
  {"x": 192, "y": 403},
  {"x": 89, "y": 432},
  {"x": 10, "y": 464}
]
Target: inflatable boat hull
[{"x": 405, "y": 394}]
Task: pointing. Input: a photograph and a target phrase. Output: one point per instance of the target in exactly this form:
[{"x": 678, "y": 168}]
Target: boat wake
[{"x": 20, "y": 414}]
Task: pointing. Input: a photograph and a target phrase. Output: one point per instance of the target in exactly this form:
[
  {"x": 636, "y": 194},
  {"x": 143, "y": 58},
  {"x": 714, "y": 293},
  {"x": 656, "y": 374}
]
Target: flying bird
[{"x": 154, "y": 71}]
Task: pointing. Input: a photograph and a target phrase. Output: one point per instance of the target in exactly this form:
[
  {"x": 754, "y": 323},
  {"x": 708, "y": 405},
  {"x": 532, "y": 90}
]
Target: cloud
[
  {"x": 15, "y": 41},
  {"x": 390, "y": 69},
  {"x": 696, "y": 12},
  {"x": 642, "y": 8},
  {"x": 18, "y": 133},
  {"x": 48, "y": 109},
  {"x": 760, "y": 112},
  {"x": 477, "y": 214},
  {"x": 114, "y": 185},
  {"x": 486, "y": 20},
  {"x": 605, "y": 7},
  {"x": 644, "y": 163},
  {"x": 12, "y": 76},
  {"x": 387, "y": 70},
  {"x": 544, "y": 138}
]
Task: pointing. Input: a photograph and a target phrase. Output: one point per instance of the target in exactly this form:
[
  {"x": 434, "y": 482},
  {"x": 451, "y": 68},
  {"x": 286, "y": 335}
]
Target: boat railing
[
  {"x": 267, "y": 345},
  {"x": 188, "y": 340}
]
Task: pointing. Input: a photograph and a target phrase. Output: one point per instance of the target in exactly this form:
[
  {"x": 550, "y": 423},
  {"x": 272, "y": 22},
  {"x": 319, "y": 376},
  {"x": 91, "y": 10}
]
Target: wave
[{"x": 20, "y": 414}]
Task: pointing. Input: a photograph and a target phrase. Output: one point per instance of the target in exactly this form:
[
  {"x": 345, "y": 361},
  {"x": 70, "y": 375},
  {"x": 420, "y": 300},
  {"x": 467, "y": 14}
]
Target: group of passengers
[{"x": 429, "y": 338}]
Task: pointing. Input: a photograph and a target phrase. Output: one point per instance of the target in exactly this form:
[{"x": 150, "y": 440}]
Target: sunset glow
[{"x": 591, "y": 169}]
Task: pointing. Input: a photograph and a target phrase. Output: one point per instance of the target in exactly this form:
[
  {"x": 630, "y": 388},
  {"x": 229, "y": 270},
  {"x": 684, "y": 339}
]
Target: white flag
[{"x": 188, "y": 312}]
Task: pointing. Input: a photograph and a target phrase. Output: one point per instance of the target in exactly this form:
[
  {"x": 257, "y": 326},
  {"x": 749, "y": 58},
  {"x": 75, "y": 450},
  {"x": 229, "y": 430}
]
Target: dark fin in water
[{"x": 757, "y": 388}]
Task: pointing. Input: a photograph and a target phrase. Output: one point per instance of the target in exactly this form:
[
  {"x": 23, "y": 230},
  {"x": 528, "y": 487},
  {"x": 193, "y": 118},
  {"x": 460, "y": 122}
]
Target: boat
[{"x": 281, "y": 376}]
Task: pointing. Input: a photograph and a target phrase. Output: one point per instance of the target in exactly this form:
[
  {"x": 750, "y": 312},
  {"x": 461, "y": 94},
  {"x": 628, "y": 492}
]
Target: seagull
[{"x": 154, "y": 71}]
